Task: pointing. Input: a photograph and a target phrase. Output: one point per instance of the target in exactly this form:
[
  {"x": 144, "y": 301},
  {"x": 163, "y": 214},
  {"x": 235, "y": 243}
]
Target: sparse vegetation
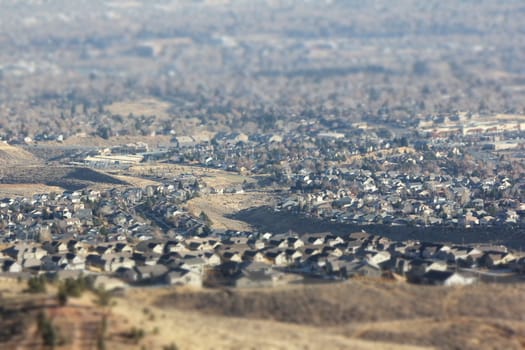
[
  {"x": 135, "y": 334},
  {"x": 37, "y": 284},
  {"x": 371, "y": 301},
  {"x": 71, "y": 288},
  {"x": 51, "y": 335},
  {"x": 103, "y": 297},
  {"x": 62, "y": 296}
]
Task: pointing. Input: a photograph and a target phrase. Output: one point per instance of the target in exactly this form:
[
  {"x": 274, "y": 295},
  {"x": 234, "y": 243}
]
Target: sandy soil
[
  {"x": 26, "y": 190},
  {"x": 214, "y": 178},
  {"x": 11, "y": 155},
  {"x": 219, "y": 208},
  {"x": 193, "y": 330},
  {"x": 10, "y": 287}
]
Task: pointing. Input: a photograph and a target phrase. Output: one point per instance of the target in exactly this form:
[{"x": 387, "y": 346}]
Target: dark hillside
[{"x": 267, "y": 220}]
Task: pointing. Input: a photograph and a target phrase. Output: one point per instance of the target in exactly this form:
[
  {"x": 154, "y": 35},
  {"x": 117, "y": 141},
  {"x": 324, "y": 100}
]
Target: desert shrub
[
  {"x": 135, "y": 334},
  {"x": 36, "y": 284},
  {"x": 103, "y": 297},
  {"x": 75, "y": 287},
  {"x": 50, "y": 333},
  {"x": 62, "y": 296}
]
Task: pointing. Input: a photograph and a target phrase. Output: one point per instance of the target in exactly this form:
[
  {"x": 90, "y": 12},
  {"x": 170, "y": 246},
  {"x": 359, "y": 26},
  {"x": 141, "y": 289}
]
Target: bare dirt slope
[
  {"x": 26, "y": 190},
  {"x": 12, "y": 156},
  {"x": 221, "y": 207},
  {"x": 190, "y": 329},
  {"x": 213, "y": 178},
  {"x": 66, "y": 177},
  {"x": 474, "y": 317},
  {"x": 359, "y": 314}
]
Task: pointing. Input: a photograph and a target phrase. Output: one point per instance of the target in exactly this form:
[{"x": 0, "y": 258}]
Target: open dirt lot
[
  {"x": 26, "y": 190},
  {"x": 218, "y": 179},
  {"x": 221, "y": 207}
]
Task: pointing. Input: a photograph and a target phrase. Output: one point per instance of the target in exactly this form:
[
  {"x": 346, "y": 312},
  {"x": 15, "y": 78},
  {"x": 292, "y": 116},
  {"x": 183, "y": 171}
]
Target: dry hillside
[
  {"x": 474, "y": 317},
  {"x": 359, "y": 314},
  {"x": 69, "y": 178},
  {"x": 221, "y": 207},
  {"x": 12, "y": 156}
]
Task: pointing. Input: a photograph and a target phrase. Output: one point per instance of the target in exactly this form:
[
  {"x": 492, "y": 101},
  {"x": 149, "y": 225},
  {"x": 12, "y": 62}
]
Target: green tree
[
  {"x": 205, "y": 218},
  {"x": 104, "y": 132}
]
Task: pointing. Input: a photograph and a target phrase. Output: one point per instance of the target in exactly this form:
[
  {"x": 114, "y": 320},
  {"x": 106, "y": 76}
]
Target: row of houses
[{"x": 246, "y": 260}]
